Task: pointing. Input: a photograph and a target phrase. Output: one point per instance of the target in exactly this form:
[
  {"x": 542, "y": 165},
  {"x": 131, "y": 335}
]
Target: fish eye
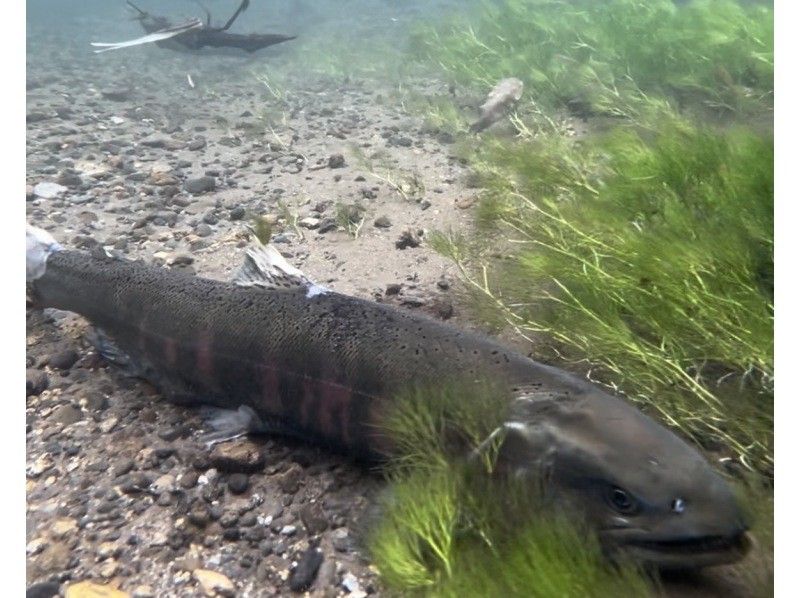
[{"x": 621, "y": 500}]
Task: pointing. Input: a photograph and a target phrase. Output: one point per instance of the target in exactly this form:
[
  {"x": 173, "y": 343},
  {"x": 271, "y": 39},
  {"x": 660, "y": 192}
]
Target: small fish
[
  {"x": 502, "y": 97},
  {"x": 285, "y": 355}
]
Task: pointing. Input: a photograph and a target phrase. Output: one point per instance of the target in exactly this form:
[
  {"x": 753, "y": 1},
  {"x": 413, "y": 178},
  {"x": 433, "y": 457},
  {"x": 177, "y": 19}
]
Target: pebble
[
  {"x": 242, "y": 456},
  {"x": 189, "y": 479},
  {"x": 213, "y": 583},
  {"x": 63, "y": 360},
  {"x": 238, "y": 483},
  {"x": 327, "y": 225},
  {"x": 143, "y": 592},
  {"x": 203, "y": 230},
  {"x": 382, "y": 222},
  {"x": 45, "y": 589},
  {"x": 107, "y": 425},
  {"x": 237, "y": 213},
  {"x": 350, "y": 583},
  {"x": 313, "y": 518},
  {"x": 336, "y": 161},
  {"x": 290, "y": 480},
  {"x": 116, "y": 94},
  {"x": 66, "y": 415},
  {"x": 408, "y": 238},
  {"x": 200, "y": 185},
  {"x": 303, "y": 575},
  {"x": 196, "y": 144},
  {"x": 88, "y": 589},
  {"x": 310, "y": 223},
  {"x": 36, "y": 381},
  {"x": 48, "y": 190}
]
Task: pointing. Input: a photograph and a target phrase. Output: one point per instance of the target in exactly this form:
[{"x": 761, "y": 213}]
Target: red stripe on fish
[
  {"x": 204, "y": 358},
  {"x": 171, "y": 351}
]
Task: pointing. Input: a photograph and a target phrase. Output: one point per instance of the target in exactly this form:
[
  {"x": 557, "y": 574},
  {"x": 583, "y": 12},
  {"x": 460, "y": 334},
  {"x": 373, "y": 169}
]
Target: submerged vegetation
[
  {"x": 603, "y": 56},
  {"x": 449, "y": 530},
  {"x": 650, "y": 255},
  {"x": 643, "y": 251}
]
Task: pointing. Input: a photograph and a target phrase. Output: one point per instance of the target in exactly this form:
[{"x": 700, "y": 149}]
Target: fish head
[{"x": 649, "y": 494}]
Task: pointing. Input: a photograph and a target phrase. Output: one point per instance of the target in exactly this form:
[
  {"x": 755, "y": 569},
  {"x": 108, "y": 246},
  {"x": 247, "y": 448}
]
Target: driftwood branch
[{"x": 197, "y": 37}]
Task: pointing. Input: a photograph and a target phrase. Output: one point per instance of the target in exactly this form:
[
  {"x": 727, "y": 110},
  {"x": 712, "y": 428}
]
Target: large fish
[{"x": 296, "y": 358}]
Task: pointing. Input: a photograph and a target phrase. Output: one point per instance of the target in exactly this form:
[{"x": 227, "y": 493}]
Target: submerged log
[{"x": 204, "y": 35}]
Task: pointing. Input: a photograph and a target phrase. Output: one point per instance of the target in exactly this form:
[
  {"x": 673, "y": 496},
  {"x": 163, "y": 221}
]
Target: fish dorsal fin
[{"x": 265, "y": 267}]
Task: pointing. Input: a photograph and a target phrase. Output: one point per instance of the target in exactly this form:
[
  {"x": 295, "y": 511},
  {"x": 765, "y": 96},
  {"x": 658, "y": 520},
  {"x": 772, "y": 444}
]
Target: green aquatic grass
[
  {"x": 650, "y": 255},
  {"x": 606, "y": 56}
]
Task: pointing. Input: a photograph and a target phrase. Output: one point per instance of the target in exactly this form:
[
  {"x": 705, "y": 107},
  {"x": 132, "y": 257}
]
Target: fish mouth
[{"x": 690, "y": 552}]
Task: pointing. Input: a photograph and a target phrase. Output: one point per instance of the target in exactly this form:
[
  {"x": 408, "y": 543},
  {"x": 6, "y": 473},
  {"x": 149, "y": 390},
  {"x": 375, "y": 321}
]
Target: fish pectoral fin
[
  {"x": 229, "y": 424},
  {"x": 111, "y": 352},
  {"x": 265, "y": 267}
]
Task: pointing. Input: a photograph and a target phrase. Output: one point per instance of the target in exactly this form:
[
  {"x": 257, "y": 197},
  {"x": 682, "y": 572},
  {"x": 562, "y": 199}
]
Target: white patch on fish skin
[
  {"x": 314, "y": 290},
  {"x": 39, "y": 244},
  {"x": 678, "y": 506}
]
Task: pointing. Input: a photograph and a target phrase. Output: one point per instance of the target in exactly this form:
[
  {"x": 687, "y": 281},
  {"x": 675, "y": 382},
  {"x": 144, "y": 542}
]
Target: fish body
[
  {"x": 501, "y": 98},
  {"x": 325, "y": 366}
]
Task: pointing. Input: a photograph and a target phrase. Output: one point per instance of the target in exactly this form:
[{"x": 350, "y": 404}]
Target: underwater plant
[
  {"x": 649, "y": 255},
  {"x": 712, "y": 56}
]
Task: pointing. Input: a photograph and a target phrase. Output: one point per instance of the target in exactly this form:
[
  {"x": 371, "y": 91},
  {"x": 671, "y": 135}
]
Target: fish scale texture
[{"x": 321, "y": 366}]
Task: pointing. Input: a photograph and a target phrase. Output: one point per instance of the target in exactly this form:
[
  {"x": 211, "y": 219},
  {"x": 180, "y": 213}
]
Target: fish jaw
[{"x": 677, "y": 552}]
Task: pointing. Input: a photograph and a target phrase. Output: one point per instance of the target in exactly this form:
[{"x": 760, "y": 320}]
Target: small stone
[
  {"x": 238, "y": 483},
  {"x": 242, "y": 456},
  {"x": 63, "y": 360},
  {"x": 313, "y": 518},
  {"x": 200, "y": 185},
  {"x": 393, "y": 288},
  {"x": 237, "y": 213},
  {"x": 303, "y": 575},
  {"x": 108, "y": 550},
  {"x": 109, "y": 569},
  {"x": 122, "y": 467},
  {"x": 143, "y": 592},
  {"x": 327, "y": 225},
  {"x": 87, "y": 589},
  {"x": 45, "y": 589},
  {"x": 203, "y": 230},
  {"x": 290, "y": 480},
  {"x": 109, "y": 424},
  {"x": 408, "y": 238},
  {"x": 196, "y": 144},
  {"x": 382, "y": 222},
  {"x": 36, "y": 381},
  {"x": 189, "y": 479},
  {"x": 336, "y": 161},
  {"x": 310, "y": 223},
  {"x": 164, "y": 484},
  {"x": 213, "y": 583},
  {"x": 48, "y": 190},
  {"x": 182, "y": 260},
  {"x": 66, "y": 415},
  {"x": 61, "y": 528},
  {"x": 116, "y": 94},
  {"x": 289, "y": 530},
  {"x": 350, "y": 583}
]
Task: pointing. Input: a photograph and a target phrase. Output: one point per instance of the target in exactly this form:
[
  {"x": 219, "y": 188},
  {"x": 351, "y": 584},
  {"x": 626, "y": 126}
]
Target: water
[{"x": 350, "y": 149}]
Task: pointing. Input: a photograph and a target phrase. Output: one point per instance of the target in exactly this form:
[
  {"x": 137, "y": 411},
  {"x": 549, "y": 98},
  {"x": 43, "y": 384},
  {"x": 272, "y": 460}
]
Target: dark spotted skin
[{"x": 322, "y": 367}]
